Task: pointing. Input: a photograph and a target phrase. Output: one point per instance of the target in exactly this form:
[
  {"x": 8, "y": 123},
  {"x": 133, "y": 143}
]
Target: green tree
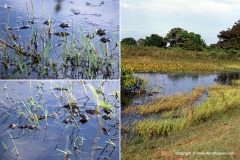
[
  {"x": 129, "y": 41},
  {"x": 172, "y": 35},
  {"x": 230, "y": 38},
  {"x": 179, "y": 37},
  {"x": 155, "y": 40},
  {"x": 191, "y": 41}
]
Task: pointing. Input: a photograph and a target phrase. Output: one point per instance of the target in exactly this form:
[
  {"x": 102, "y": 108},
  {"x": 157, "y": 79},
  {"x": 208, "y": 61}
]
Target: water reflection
[
  {"x": 226, "y": 78},
  {"x": 58, "y": 5}
]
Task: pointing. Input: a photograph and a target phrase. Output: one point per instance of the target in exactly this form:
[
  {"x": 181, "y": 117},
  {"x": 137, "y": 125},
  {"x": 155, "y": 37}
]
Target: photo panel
[
  {"x": 62, "y": 39},
  {"x": 180, "y": 76},
  {"x": 59, "y": 120}
]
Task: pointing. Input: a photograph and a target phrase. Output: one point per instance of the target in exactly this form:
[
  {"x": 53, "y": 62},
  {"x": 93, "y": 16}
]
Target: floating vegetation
[
  {"x": 58, "y": 120},
  {"x": 62, "y": 34},
  {"x": 37, "y": 46},
  {"x": 64, "y": 25},
  {"x": 105, "y": 40},
  {"x": 101, "y": 32}
]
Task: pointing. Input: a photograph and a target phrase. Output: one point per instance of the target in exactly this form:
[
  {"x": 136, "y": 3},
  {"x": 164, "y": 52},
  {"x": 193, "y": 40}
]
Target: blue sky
[{"x": 141, "y": 18}]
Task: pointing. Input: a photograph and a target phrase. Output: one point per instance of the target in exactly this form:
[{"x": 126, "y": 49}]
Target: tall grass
[
  {"x": 220, "y": 99},
  {"x": 168, "y": 102}
]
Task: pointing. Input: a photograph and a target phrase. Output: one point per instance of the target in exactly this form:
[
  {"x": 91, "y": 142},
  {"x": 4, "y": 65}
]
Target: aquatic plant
[{"x": 15, "y": 147}]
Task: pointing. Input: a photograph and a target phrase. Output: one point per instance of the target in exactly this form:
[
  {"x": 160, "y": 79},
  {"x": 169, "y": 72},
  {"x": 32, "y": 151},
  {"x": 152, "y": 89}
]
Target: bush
[
  {"x": 232, "y": 52},
  {"x": 155, "y": 40},
  {"x": 129, "y": 83},
  {"x": 129, "y": 41}
]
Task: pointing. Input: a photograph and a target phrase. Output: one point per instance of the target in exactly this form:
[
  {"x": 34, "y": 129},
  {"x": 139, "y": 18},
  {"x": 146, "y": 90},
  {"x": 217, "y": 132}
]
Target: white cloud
[
  {"x": 125, "y": 5},
  {"x": 206, "y": 17},
  {"x": 199, "y": 6}
]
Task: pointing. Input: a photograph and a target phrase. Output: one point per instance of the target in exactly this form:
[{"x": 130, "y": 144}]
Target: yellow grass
[
  {"x": 169, "y": 102},
  {"x": 153, "y": 59}
]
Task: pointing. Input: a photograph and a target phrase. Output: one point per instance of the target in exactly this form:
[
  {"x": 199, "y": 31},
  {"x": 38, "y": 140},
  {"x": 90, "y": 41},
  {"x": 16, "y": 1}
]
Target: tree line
[{"x": 178, "y": 37}]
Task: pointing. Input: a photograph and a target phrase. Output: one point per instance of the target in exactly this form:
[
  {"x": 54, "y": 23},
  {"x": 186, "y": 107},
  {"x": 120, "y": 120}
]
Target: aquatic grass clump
[
  {"x": 148, "y": 128},
  {"x": 30, "y": 109},
  {"x": 168, "y": 102},
  {"x": 220, "y": 100}
]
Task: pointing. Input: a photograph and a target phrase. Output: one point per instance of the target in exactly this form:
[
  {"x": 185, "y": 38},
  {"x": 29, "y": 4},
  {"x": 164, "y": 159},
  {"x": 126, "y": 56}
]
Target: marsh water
[
  {"x": 53, "y": 36},
  {"x": 159, "y": 84},
  {"x": 52, "y": 137}
]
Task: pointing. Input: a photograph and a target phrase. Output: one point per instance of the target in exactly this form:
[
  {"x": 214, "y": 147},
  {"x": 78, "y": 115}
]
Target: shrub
[{"x": 129, "y": 83}]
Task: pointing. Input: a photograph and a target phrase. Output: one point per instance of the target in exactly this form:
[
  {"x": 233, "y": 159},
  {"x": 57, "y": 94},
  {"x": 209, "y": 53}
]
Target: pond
[
  {"x": 59, "y": 120},
  {"x": 71, "y": 39},
  {"x": 159, "y": 84}
]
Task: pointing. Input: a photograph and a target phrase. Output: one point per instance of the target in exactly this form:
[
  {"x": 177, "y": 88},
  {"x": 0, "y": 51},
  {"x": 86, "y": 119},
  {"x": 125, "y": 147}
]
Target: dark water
[
  {"x": 52, "y": 137},
  {"x": 82, "y": 17}
]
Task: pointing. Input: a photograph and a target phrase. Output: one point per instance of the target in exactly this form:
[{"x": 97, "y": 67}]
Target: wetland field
[
  {"x": 187, "y": 107},
  {"x": 63, "y": 39},
  {"x": 142, "y": 59}
]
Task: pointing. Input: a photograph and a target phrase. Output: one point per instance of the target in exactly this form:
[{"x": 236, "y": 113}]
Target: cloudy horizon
[{"x": 205, "y": 17}]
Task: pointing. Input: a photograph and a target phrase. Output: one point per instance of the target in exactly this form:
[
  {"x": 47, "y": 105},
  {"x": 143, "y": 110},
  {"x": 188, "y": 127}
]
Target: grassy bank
[
  {"x": 220, "y": 134},
  {"x": 161, "y": 104},
  {"x": 207, "y": 127},
  {"x": 153, "y": 59}
]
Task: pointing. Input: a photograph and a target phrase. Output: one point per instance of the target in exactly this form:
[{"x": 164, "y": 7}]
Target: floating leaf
[{"x": 62, "y": 34}]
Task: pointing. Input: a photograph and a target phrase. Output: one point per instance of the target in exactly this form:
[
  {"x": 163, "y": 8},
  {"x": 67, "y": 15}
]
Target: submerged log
[{"x": 25, "y": 27}]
